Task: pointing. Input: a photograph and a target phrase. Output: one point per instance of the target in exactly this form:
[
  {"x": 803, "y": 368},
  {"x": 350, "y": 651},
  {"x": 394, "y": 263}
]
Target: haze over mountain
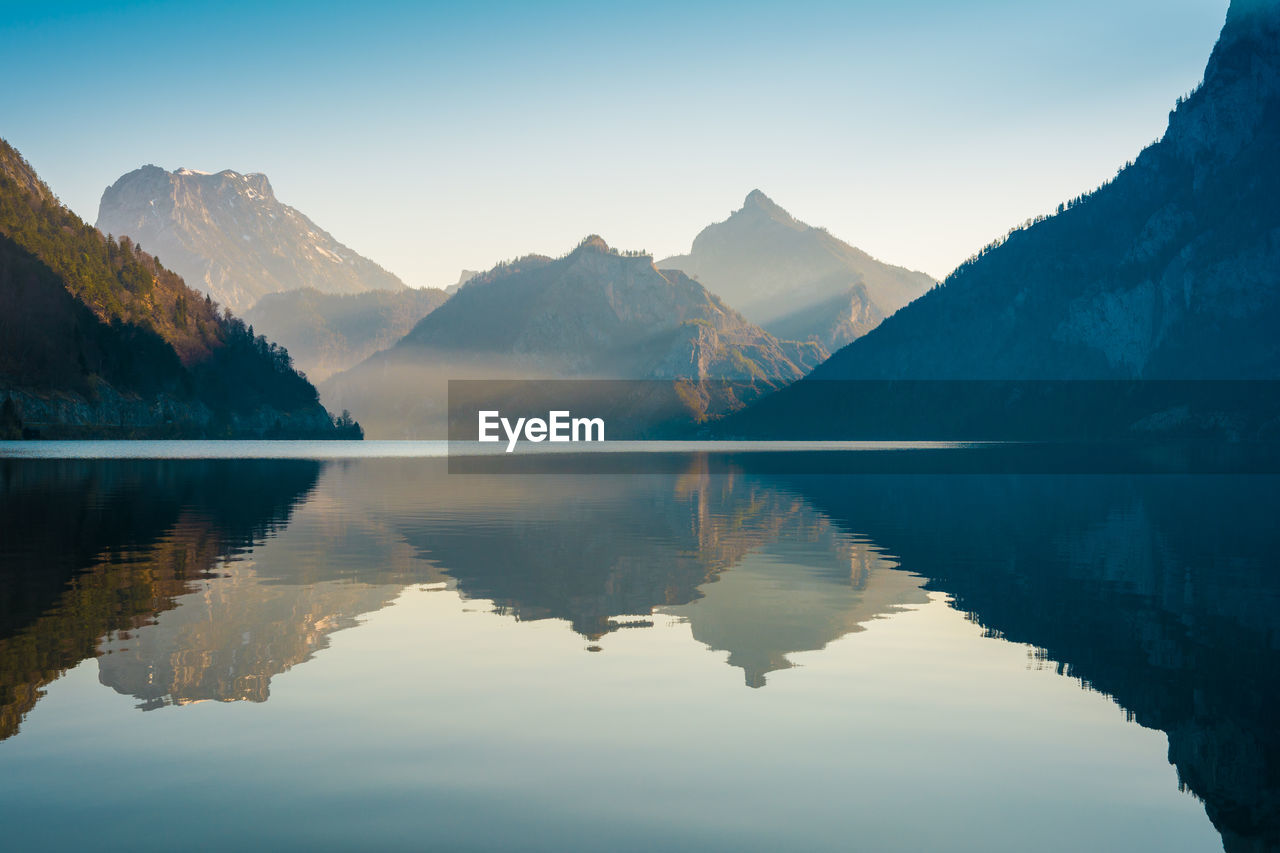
[
  {"x": 228, "y": 235},
  {"x": 463, "y": 277},
  {"x": 797, "y": 281},
  {"x": 1170, "y": 271},
  {"x": 97, "y": 338},
  {"x": 329, "y": 332},
  {"x": 593, "y": 313}
]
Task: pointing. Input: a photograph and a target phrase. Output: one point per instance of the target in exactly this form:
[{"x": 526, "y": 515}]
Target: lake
[{"x": 343, "y": 645}]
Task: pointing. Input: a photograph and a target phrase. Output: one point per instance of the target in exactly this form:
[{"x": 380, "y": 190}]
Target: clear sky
[{"x": 433, "y": 137}]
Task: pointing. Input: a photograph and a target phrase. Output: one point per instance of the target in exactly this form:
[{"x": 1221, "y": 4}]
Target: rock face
[
  {"x": 98, "y": 339},
  {"x": 594, "y": 313},
  {"x": 1170, "y": 271},
  {"x": 795, "y": 280},
  {"x": 330, "y": 332},
  {"x": 229, "y": 236},
  {"x": 463, "y": 277}
]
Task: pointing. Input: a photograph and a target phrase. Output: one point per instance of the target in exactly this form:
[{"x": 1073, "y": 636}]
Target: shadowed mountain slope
[
  {"x": 1170, "y": 271},
  {"x": 97, "y": 338}
]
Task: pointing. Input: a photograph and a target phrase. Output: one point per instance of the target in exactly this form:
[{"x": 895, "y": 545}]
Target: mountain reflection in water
[{"x": 195, "y": 580}]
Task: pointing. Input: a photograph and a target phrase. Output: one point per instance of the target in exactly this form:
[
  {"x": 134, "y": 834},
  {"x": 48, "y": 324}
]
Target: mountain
[
  {"x": 229, "y": 236},
  {"x": 795, "y": 280},
  {"x": 97, "y": 338},
  {"x": 178, "y": 519},
  {"x": 463, "y": 277},
  {"x": 330, "y": 332},
  {"x": 594, "y": 313},
  {"x": 1171, "y": 271}
]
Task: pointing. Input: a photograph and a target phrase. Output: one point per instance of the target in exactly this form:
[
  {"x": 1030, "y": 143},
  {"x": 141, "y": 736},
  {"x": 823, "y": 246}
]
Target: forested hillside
[{"x": 96, "y": 335}]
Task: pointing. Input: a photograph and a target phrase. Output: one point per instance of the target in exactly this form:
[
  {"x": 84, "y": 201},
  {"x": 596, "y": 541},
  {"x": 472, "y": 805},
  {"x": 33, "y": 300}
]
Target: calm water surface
[{"x": 352, "y": 648}]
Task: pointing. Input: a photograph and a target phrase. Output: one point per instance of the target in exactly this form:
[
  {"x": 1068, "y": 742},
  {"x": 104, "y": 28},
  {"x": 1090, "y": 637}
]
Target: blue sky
[{"x": 434, "y": 137}]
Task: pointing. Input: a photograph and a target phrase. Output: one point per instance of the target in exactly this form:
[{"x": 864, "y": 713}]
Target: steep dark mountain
[
  {"x": 796, "y": 281},
  {"x": 329, "y": 332},
  {"x": 595, "y": 313},
  {"x": 97, "y": 338},
  {"x": 229, "y": 236},
  {"x": 1170, "y": 271}
]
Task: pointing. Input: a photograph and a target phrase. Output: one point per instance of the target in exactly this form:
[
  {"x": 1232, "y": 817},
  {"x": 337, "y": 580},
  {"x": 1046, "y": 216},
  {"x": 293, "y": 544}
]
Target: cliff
[{"x": 228, "y": 235}]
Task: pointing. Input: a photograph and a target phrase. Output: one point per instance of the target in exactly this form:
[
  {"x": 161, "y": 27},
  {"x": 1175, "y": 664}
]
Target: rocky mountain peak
[
  {"x": 253, "y": 182},
  {"x": 796, "y": 280},
  {"x": 15, "y": 167},
  {"x": 1240, "y": 10},
  {"x": 757, "y": 201},
  {"x": 227, "y": 234},
  {"x": 1241, "y": 83},
  {"x": 593, "y": 243}
]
